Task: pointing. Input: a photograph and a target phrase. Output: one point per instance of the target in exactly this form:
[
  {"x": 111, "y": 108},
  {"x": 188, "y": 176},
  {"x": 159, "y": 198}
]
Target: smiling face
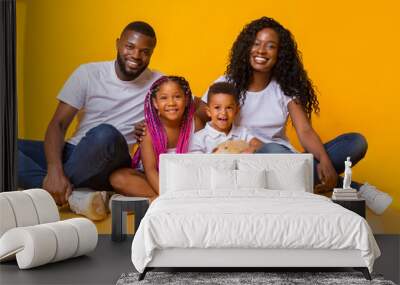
[
  {"x": 134, "y": 53},
  {"x": 222, "y": 108},
  {"x": 264, "y": 52},
  {"x": 170, "y": 101}
]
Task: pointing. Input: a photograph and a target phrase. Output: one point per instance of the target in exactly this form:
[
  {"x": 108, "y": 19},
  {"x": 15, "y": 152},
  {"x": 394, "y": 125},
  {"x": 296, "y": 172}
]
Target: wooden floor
[{"x": 103, "y": 226}]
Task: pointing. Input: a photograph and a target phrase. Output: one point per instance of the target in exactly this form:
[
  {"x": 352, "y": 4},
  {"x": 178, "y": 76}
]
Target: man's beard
[{"x": 130, "y": 74}]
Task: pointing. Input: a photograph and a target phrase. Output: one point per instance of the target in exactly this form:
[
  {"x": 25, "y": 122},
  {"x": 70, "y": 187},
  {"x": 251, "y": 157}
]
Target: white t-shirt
[
  {"x": 264, "y": 113},
  {"x": 207, "y": 139},
  {"x": 102, "y": 97}
]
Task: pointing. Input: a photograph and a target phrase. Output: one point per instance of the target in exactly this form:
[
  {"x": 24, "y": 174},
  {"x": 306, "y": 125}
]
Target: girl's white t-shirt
[{"x": 264, "y": 113}]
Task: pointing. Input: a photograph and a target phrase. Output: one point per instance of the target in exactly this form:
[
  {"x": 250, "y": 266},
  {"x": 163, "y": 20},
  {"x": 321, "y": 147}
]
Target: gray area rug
[{"x": 243, "y": 278}]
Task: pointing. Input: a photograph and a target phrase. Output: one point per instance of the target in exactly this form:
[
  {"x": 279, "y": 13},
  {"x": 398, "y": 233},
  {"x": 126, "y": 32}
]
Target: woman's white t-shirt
[{"x": 265, "y": 113}]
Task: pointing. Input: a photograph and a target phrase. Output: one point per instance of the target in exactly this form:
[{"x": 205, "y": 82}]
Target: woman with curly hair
[{"x": 266, "y": 68}]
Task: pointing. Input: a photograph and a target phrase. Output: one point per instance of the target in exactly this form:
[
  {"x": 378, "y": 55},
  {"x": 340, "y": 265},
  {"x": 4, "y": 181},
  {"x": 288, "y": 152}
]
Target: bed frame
[{"x": 241, "y": 259}]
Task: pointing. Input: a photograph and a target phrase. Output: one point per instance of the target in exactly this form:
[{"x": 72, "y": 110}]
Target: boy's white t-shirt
[
  {"x": 102, "y": 97},
  {"x": 264, "y": 113},
  {"x": 207, "y": 139}
]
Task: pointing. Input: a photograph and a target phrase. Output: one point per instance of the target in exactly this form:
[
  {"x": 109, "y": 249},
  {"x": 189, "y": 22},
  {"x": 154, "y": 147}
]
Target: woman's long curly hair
[{"x": 288, "y": 71}]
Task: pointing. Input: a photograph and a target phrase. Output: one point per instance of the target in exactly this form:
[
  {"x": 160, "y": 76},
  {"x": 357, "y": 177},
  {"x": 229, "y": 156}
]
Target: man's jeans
[
  {"x": 338, "y": 149},
  {"x": 88, "y": 164}
]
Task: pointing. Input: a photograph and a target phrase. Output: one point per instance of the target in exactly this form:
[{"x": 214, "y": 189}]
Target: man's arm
[
  {"x": 55, "y": 182},
  {"x": 201, "y": 110}
]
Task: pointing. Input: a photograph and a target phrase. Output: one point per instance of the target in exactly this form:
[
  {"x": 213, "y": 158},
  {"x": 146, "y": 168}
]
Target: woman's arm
[
  {"x": 312, "y": 144},
  {"x": 149, "y": 162}
]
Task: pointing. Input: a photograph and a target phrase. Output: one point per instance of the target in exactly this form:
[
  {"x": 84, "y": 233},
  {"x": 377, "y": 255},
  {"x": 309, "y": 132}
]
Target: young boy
[{"x": 223, "y": 106}]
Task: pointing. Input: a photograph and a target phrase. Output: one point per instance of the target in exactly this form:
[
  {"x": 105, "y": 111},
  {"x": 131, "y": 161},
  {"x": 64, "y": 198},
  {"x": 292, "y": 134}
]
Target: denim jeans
[
  {"x": 338, "y": 149},
  {"x": 88, "y": 164}
]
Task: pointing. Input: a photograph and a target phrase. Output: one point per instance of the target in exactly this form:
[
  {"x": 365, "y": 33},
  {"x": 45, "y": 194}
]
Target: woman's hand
[
  {"x": 327, "y": 175},
  {"x": 139, "y": 131}
]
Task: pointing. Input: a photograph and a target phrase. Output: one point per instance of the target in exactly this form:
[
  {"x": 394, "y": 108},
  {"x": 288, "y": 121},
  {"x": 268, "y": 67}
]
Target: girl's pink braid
[{"x": 155, "y": 127}]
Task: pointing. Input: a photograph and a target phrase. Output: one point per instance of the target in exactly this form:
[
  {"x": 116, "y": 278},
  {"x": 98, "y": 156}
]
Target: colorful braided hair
[{"x": 154, "y": 125}]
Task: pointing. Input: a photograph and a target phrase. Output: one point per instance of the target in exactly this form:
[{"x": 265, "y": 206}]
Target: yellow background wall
[{"x": 350, "y": 49}]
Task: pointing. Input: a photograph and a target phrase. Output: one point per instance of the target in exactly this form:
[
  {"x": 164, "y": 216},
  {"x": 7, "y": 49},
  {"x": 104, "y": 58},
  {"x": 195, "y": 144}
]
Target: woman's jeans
[
  {"x": 88, "y": 164},
  {"x": 338, "y": 149}
]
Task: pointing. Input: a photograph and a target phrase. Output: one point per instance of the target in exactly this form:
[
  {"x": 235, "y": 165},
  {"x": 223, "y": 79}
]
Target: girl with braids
[
  {"x": 169, "y": 115},
  {"x": 266, "y": 67}
]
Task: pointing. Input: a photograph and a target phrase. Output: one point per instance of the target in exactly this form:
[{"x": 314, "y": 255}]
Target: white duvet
[{"x": 250, "y": 219}]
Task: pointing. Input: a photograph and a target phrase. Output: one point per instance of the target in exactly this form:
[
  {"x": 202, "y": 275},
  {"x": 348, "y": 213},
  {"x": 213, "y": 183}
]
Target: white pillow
[
  {"x": 251, "y": 178},
  {"x": 293, "y": 179},
  {"x": 223, "y": 179},
  {"x": 285, "y": 174},
  {"x": 186, "y": 176}
]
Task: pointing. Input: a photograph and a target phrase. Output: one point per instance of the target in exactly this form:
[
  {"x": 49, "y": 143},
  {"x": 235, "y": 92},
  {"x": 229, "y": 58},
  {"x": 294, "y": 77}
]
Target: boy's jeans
[
  {"x": 88, "y": 164},
  {"x": 338, "y": 149}
]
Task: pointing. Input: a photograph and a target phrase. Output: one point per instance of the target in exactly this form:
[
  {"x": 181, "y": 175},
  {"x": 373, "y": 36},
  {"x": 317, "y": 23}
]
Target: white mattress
[{"x": 253, "y": 218}]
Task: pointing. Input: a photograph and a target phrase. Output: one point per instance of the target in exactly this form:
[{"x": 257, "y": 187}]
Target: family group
[{"x": 122, "y": 102}]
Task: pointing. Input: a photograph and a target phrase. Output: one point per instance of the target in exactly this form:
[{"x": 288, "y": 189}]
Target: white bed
[{"x": 221, "y": 211}]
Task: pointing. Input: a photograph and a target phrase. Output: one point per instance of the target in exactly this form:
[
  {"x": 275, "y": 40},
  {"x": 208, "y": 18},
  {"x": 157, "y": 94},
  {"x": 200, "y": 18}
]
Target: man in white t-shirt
[{"x": 108, "y": 99}]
